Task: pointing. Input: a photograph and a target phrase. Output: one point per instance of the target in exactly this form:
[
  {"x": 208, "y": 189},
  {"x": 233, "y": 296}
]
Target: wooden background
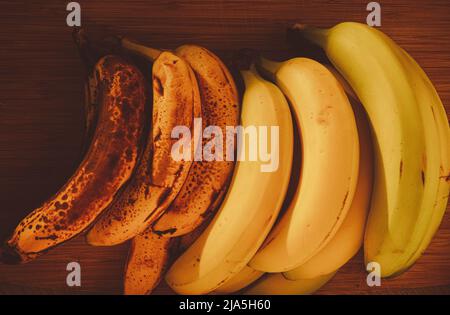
[{"x": 41, "y": 112}]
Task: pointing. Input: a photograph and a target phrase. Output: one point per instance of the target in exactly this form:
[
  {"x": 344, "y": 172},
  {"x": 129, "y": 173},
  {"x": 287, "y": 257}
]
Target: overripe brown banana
[
  {"x": 220, "y": 107},
  {"x": 159, "y": 178},
  {"x": 148, "y": 257},
  {"x": 150, "y": 254},
  {"x": 108, "y": 164}
]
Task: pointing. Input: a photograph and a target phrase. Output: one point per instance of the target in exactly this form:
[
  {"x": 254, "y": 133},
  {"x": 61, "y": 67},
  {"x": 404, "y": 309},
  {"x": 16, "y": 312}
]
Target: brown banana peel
[
  {"x": 107, "y": 166},
  {"x": 150, "y": 255},
  {"x": 206, "y": 179},
  {"x": 158, "y": 178},
  {"x": 148, "y": 258}
]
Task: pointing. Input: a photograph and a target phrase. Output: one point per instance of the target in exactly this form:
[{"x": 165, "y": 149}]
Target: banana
[
  {"x": 436, "y": 186},
  {"x": 150, "y": 254},
  {"x": 410, "y": 166},
  {"x": 106, "y": 167},
  {"x": 220, "y": 107},
  {"x": 441, "y": 121},
  {"x": 239, "y": 281},
  {"x": 186, "y": 240},
  {"x": 244, "y": 219},
  {"x": 349, "y": 238},
  {"x": 159, "y": 178},
  {"x": 148, "y": 257},
  {"x": 329, "y": 171},
  {"x": 381, "y": 83},
  {"x": 276, "y": 284}
]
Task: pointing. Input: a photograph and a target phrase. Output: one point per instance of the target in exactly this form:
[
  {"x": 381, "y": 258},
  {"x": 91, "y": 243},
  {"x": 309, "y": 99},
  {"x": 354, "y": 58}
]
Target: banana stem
[
  {"x": 316, "y": 35},
  {"x": 250, "y": 75},
  {"x": 268, "y": 68},
  {"x": 142, "y": 50}
]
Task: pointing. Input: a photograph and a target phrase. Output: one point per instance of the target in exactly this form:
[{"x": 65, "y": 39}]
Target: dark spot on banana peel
[
  {"x": 49, "y": 237},
  {"x": 164, "y": 195},
  {"x": 179, "y": 170},
  {"x": 401, "y": 168},
  {"x": 157, "y": 85},
  {"x": 225, "y": 280},
  {"x": 147, "y": 191},
  {"x": 165, "y": 232},
  {"x": 157, "y": 136},
  {"x": 62, "y": 206},
  {"x": 129, "y": 154},
  {"x": 423, "y": 177},
  {"x": 345, "y": 199}
]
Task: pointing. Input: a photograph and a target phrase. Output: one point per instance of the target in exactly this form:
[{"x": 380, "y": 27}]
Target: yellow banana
[
  {"x": 379, "y": 79},
  {"x": 410, "y": 165},
  {"x": 441, "y": 121},
  {"x": 277, "y": 284},
  {"x": 239, "y": 281},
  {"x": 349, "y": 238},
  {"x": 393, "y": 259},
  {"x": 243, "y": 220},
  {"x": 329, "y": 172}
]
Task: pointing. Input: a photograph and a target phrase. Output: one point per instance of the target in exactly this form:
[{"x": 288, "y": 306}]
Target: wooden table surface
[{"x": 41, "y": 112}]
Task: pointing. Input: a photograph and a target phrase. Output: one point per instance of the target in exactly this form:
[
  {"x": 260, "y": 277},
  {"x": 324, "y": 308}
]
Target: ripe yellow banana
[
  {"x": 329, "y": 172},
  {"x": 277, "y": 284},
  {"x": 108, "y": 164},
  {"x": 244, "y": 219},
  {"x": 159, "y": 177},
  {"x": 349, "y": 238},
  {"x": 239, "y": 281},
  {"x": 186, "y": 240},
  {"x": 382, "y": 84},
  {"x": 437, "y": 168},
  {"x": 220, "y": 107},
  {"x": 441, "y": 121},
  {"x": 148, "y": 258},
  {"x": 411, "y": 160}
]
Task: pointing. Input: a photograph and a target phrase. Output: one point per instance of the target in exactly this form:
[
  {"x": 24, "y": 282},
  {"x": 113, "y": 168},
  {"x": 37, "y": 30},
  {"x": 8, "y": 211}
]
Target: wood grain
[{"x": 41, "y": 112}]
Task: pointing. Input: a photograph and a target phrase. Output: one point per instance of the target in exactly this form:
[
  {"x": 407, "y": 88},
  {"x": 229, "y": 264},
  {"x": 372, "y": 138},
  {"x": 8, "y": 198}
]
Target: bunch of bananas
[{"x": 372, "y": 167}]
